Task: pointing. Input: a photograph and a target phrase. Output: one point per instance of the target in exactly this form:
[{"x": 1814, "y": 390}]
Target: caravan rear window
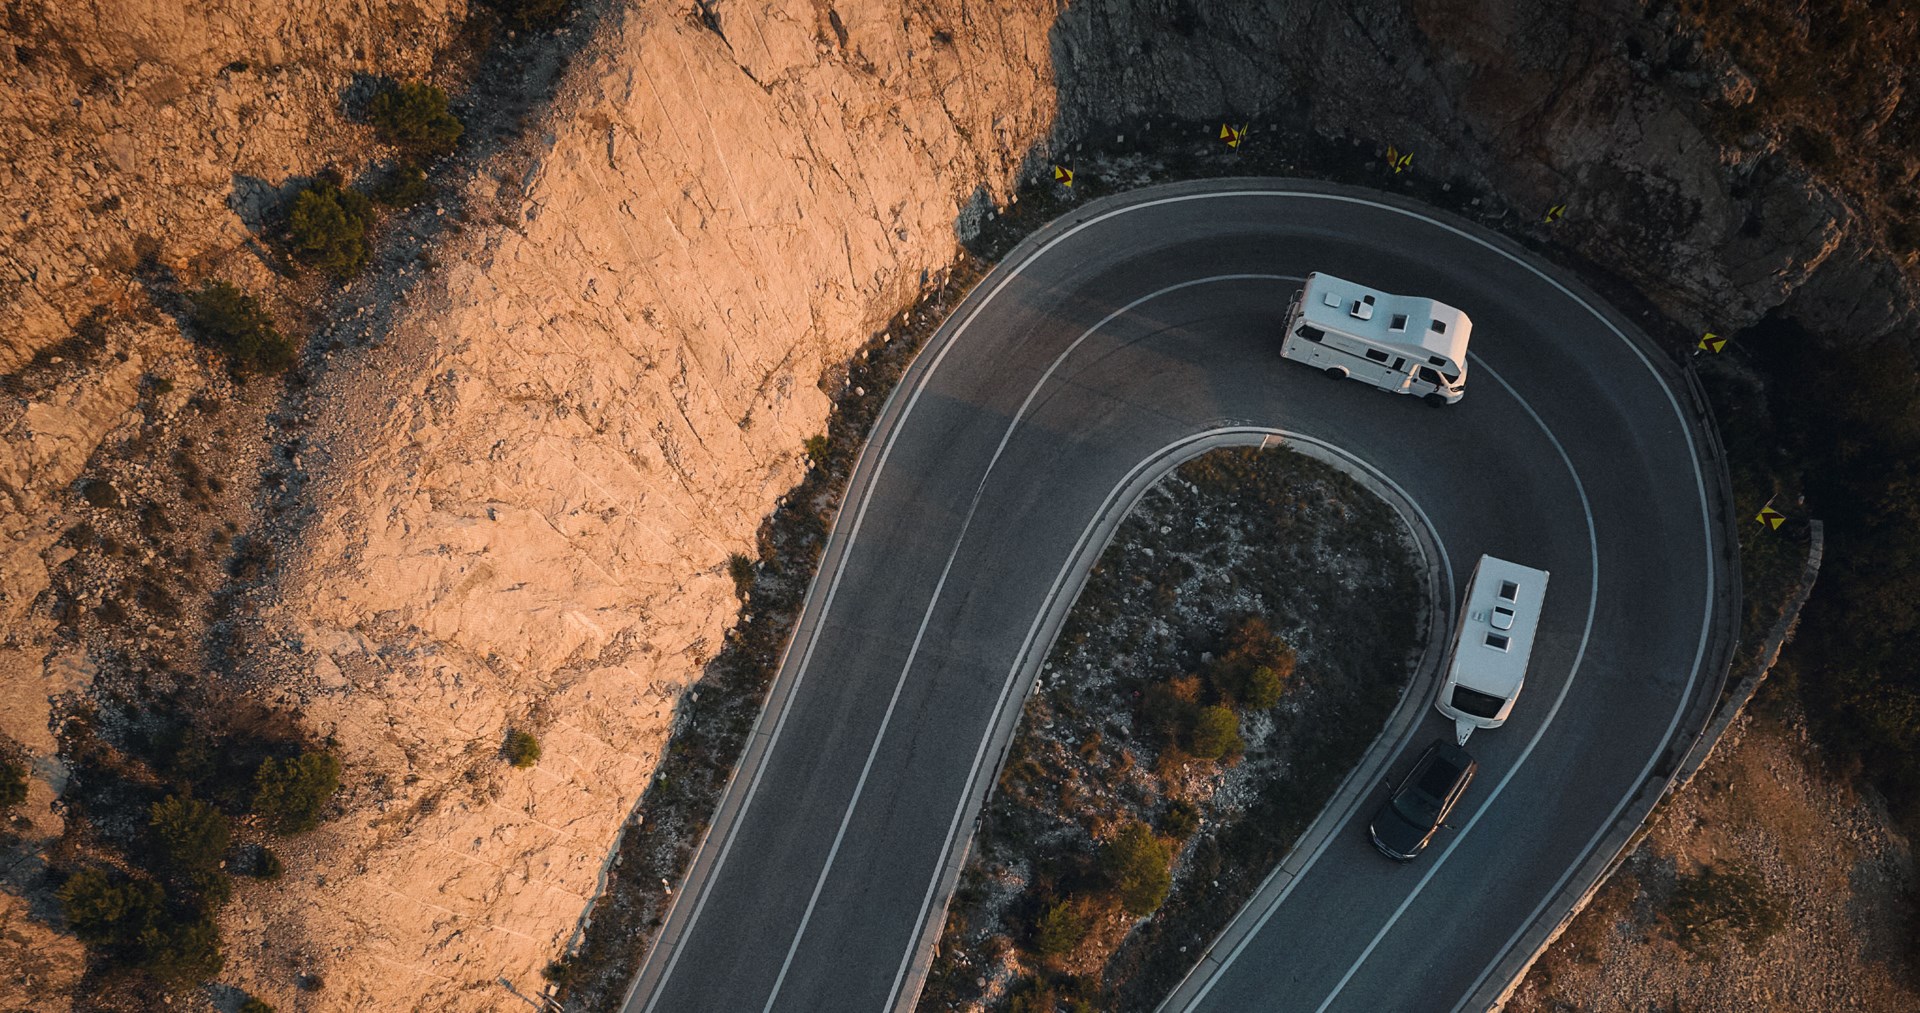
[
  {"x": 1310, "y": 332},
  {"x": 1376, "y": 355}
]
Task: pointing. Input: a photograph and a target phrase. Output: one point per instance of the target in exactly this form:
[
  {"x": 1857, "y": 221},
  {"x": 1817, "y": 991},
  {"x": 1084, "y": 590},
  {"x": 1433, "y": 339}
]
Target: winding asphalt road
[{"x": 1106, "y": 349}]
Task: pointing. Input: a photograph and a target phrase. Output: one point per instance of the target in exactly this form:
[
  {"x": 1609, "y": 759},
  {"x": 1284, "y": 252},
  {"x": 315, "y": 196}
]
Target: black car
[{"x": 1419, "y": 806}]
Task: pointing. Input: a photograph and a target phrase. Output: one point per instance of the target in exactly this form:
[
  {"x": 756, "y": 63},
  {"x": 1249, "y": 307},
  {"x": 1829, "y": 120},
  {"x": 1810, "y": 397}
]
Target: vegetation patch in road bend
[{"x": 1240, "y": 642}]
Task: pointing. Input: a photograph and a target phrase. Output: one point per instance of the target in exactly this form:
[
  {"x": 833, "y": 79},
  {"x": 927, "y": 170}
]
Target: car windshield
[
  {"x": 1476, "y": 703},
  {"x": 1416, "y": 809}
]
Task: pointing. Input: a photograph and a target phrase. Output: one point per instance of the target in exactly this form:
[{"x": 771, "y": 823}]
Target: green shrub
[
  {"x": 1137, "y": 867},
  {"x": 532, "y": 15},
  {"x": 291, "y": 794},
  {"x": 817, "y": 448},
  {"x": 403, "y": 187},
  {"x": 1707, "y": 907},
  {"x": 521, "y": 748},
  {"x": 1061, "y": 928},
  {"x": 1216, "y": 734},
  {"x": 182, "y": 952},
  {"x": 13, "y": 783},
  {"x": 1034, "y": 997},
  {"x": 255, "y": 1005},
  {"x": 415, "y": 119},
  {"x": 1182, "y": 819},
  {"x": 266, "y": 865},
  {"x": 192, "y": 836},
  {"x": 740, "y": 568},
  {"x": 102, "y": 909},
  {"x": 1170, "y": 708},
  {"x": 1253, "y": 666},
  {"x": 330, "y": 228},
  {"x": 235, "y": 323}
]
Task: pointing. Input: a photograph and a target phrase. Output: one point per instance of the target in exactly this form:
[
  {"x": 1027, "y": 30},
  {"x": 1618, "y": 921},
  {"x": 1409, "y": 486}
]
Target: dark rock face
[{"x": 1598, "y": 104}]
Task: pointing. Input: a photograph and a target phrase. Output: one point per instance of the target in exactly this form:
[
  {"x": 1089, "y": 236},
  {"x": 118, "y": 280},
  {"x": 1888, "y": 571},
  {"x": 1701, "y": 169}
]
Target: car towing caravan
[
  {"x": 1404, "y": 344},
  {"x": 1491, "y": 645}
]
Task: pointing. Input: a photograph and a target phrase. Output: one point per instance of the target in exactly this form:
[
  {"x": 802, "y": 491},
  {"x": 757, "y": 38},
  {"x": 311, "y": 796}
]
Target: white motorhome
[
  {"x": 1399, "y": 343},
  {"x": 1492, "y": 644}
]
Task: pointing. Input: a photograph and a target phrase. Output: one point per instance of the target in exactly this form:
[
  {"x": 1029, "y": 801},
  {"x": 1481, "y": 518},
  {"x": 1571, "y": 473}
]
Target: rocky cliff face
[{"x": 515, "y": 509}]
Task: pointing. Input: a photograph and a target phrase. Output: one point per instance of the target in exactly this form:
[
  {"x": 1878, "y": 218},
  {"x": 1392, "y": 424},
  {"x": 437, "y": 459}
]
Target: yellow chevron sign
[
  {"x": 1771, "y": 518},
  {"x": 1400, "y": 160},
  {"x": 1063, "y": 175},
  {"x": 1711, "y": 342},
  {"x": 1556, "y": 212},
  {"x": 1233, "y": 135}
]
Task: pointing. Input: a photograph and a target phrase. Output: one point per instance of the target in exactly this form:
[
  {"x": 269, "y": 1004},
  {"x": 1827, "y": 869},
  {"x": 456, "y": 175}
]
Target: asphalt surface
[{"x": 1131, "y": 325}]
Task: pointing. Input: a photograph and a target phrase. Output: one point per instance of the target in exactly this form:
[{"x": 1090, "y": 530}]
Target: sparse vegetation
[
  {"x": 1136, "y": 866},
  {"x": 521, "y": 748},
  {"x": 1712, "y": 904},
  {"x": 292, "y": 794},
  {"x": 1061, "y": 928},
  {"x": 191, "y": 836},
  {"x": 402, "y": 187},
  {"x": 329, "y": 225},
  {"x": 414, "y": 117},
  {"x": 817, "y": 450},
  {"x": 532, "y": 15},
  {"x": 13, "y": 783},
  {"x": 234, "y": 322},
  {"x": 740, "y": 568}
]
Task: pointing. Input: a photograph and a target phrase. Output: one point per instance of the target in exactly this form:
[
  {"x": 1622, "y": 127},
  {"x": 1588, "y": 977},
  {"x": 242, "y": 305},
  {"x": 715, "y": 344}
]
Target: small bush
[
  {"x": 330, "y": 228},
  {"x": 415, "y": 119},
  {"x": 265, "y": 864},
  {"x": 1137, "y": 867},
  {"x": 817, "y": 448},
  {"x": 1034, "y": 997},
  {"x": 191, "y": 835},
  {"x": 521, "y": 749},
  {"x": 102, "y": 909},
  {"x": 740, "y": 568},
  {"x": 1182, "y": 819},
  {"x": 291, "y": 794},
  {"x": 235, "y": 323},
  {"x": 255, "y": 1005},
  {"x": 1253, "y": 666},
  {"x": 13, "y": 783},
  {"x": 182, "y": 952},
  {"x": 532, "y": 15},
  {"x": 1706, "y": 907},
  {"x": 1216, "y": 734},
  {"x": 1171, "y": 707},
  {"x": 1061, "y": 928},
  {"x": 404, "y": 187}
]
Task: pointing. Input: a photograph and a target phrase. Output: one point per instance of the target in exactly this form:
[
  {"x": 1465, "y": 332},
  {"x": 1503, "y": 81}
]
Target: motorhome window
[
  {"x": 1434, "y": 360},
  {"x": 1452, "y": 377},
  {"x": 1476, "y": 703},
  {"x": 1439, "y": 327},
  {"x": 1498, "y": 641},
  {"x": 1509, "y": 590},
  {"x": 1310, "y": 332},
  {"x": 1376, "y": 355},
  {"x": 1430, "y": 376},
  {"x": 1399, "y": 322}
]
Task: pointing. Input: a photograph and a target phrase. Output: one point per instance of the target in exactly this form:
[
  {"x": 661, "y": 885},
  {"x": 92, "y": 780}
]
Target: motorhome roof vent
[
  {"x": 1331, "y": 299},
  {"x": 1362, "y": 308}
]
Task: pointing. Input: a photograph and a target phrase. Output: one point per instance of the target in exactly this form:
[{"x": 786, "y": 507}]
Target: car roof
[{"x": 1442, "y": 766}]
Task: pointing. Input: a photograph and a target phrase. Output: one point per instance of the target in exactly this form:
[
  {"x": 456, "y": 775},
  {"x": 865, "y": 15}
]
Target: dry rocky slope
[{"x": 517, "y": 508}]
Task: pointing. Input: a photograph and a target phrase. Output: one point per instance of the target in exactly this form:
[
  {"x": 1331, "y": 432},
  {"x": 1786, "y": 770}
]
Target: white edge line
[{"x": 1573, "y": 674}]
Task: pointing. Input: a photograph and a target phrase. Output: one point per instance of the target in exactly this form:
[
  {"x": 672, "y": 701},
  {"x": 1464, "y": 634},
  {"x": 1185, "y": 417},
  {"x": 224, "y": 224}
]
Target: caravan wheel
[
  {"x": 1336, "y": 372},
  {"x": 1437, "y": 400}
]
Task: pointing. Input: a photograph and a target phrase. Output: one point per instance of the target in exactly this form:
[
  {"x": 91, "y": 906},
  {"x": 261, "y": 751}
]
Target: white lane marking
[
  {"x": 1593, "y": 600},
  {"x": 966, "y": 525},
  {"x": 946, "y": 343},
  {"x": 1446, "y": 568}
]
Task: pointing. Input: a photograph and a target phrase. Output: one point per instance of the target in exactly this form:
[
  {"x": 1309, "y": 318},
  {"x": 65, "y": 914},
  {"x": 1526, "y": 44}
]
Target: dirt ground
[{"x": 1838, "y": 877}]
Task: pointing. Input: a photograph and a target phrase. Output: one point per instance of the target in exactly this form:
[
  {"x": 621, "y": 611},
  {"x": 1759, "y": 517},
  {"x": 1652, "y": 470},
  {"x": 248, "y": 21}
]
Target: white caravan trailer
[
  {"x": 1491, "y": 645},
  {"x": 1399, "y": 343}
]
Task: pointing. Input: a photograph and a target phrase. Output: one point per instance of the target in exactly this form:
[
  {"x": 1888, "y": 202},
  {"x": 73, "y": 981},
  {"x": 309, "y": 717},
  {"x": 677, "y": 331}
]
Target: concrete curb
[
  {"x": 1360, "y": 781},
  {"x": 1066, "y": 590}
]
